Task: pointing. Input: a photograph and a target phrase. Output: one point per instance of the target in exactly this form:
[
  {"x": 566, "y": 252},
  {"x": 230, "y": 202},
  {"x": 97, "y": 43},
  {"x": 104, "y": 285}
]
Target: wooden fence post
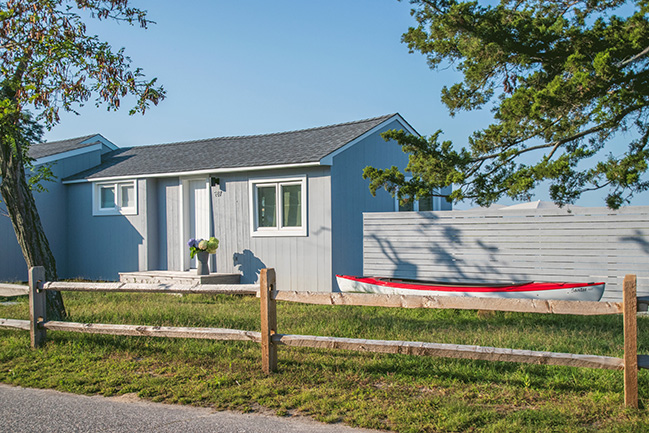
[
  {"x": 630, "y": 302},
  {"x": 37, "y": 305},
  {"x": 268, "y": 320}
]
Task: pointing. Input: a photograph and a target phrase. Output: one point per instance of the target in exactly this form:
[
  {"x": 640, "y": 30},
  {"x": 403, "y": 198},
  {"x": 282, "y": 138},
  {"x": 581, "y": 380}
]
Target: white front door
[{"x": 197, "y": 214}]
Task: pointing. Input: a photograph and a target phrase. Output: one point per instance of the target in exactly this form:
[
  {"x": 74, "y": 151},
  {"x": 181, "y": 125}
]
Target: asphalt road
[{"x": 47, "y": 411}]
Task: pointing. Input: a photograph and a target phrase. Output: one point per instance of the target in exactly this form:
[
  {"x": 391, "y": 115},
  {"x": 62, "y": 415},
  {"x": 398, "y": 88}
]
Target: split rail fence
[
  {"x": 9, "y": 290},
  {"x": 270, "y": 339}
]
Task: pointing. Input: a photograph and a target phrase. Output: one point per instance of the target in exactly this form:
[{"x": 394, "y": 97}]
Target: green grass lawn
[{"x": 393, "y": 392}]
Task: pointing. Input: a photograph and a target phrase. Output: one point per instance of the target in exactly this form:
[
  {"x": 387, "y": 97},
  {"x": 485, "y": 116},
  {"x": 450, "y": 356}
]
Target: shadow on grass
[{"x": 424, "y": 370}]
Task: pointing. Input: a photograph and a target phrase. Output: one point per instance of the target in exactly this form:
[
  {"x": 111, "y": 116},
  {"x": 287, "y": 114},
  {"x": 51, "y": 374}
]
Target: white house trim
[
  {"x": 328, "y": 160},
  {"x": 182, "y": 220},
  {"x": 97, "y": 210},
  {"x": 278, "y": 231},
  {"x": 198, "y": 172},
  {"x": 185, "y": 215},
  {"x": 102, "y": 140}
]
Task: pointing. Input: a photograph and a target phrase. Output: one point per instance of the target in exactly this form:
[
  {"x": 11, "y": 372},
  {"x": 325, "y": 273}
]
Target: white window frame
[
  {"x": 255, "y": 230},
  {"x": 97, "y": 210}
]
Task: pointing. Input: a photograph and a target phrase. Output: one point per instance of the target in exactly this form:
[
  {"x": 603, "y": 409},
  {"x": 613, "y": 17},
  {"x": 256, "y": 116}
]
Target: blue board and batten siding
[
  {"x": 124, "y": 243},
  {"x": 337, "y": 197},
  {"x": 305, "y": 261},
  {"x": 301, "y": 262},
  {"x": 151, "y": 240},
  {"x": 53, "y": 213},
  {"x": 350, "y": 196},
  {"x": 13, "y": 264},
  {"x": 168, "y": 215},
  {"x": 108, "y": 244}
]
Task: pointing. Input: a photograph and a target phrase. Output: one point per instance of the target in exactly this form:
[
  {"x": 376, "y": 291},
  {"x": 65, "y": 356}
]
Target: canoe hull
[{"x": 542, "y": 291}]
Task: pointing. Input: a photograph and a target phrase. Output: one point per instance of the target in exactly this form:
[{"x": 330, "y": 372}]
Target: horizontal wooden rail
[
  {"x": 451, "y": 351},
  {"x": 213, "y": 289},
  {"x": 355, "y": 344},
  {"x": 154, "y": 331},
  {"x": 13, "y": 289},
  {"x": 14, "y": 323},
  {"x": 583, "y": 308}
]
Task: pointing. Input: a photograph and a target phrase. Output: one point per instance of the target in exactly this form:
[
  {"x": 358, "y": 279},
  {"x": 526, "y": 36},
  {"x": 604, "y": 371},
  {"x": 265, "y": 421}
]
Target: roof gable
[
  {"x": 49, "y": 149},
  {"x": 278, "y": 149}
]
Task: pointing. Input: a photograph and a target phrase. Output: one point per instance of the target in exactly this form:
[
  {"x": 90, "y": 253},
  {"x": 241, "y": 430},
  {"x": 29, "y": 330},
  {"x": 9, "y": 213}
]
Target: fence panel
[{"x": 585, "y": 244}]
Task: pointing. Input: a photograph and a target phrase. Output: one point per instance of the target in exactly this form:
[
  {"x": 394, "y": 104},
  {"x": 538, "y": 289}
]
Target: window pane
[
  {"x": 266, "y": 212},
  {"x": 107, "y": 197},
  {"x": 426, "y": 203},
  {"x": 128, "y": 196},
  {"x": 406, "y": 205},
  {"x": 292, "y": 206}
]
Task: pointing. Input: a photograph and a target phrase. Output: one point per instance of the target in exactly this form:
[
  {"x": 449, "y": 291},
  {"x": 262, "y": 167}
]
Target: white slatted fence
[{"x": 581, "y": 245}]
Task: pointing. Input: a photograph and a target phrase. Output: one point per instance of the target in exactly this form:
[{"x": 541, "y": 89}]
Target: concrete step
[{"x": 177, "y": 277}]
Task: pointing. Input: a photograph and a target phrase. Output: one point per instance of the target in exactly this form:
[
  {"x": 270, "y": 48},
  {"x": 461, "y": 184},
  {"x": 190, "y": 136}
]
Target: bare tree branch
[{"x": 625, "y": 62}]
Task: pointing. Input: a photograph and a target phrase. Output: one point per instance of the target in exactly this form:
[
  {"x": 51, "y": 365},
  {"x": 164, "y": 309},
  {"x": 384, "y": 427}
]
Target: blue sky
[
  {"x": 240, "y": 68},
  {"x": 254, "y": 67}
]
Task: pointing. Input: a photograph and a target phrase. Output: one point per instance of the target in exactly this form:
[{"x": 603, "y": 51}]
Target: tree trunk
[{"x": 26, "y": 222}]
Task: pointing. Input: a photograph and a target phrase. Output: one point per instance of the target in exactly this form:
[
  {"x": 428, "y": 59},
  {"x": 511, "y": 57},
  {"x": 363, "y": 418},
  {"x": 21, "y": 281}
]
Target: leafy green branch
[{"x": 566, "y": 80}]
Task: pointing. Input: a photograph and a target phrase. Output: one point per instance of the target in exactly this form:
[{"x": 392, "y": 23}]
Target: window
[
  {"x": 421, "y": 205},
  {"x": 278, "y": 207},
  {"x": 266, "y": 206},
  {"x": 115, "y": 198}
]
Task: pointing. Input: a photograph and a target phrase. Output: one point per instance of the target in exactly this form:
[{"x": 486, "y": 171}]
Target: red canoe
[{"x": 526, "y": 290}]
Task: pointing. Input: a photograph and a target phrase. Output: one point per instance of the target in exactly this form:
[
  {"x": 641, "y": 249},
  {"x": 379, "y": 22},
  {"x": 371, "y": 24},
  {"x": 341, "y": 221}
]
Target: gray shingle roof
[
  {"x": 294, "y": 147},
  {"x": 40, "y": 150}
]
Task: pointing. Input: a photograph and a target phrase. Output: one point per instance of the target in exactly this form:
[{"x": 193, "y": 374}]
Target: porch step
[{"x": 188, "y": 278}]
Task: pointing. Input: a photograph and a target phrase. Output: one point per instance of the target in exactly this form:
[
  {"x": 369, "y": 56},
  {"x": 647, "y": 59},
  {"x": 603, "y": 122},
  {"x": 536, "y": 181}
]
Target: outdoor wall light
[{"x": 216, "y": 181}]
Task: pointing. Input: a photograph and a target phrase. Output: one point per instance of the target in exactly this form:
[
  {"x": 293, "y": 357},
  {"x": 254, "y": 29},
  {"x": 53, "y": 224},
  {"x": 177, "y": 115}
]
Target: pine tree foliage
[{"x": 565, "y": 79}]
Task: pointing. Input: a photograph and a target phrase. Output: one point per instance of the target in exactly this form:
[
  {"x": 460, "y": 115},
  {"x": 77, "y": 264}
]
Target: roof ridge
[
  {"x": 80, "y": 138},
  {"x": 233, "y": 137},
  {"x": 265, "y": 150}
]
